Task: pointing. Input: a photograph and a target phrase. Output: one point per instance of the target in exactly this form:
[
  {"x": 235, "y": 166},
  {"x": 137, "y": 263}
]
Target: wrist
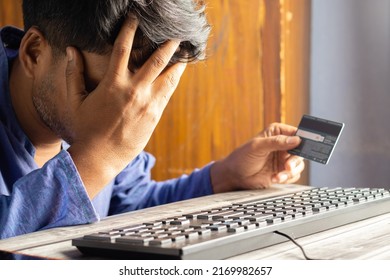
[
  {"x": 96, "y": 168},
  {"x": 221, "y": 177}
]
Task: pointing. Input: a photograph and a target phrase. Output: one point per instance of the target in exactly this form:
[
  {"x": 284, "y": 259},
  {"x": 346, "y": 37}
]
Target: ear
[{"x": 32, "y": 50}]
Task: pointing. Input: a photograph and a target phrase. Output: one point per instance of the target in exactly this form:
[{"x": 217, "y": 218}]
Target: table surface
[{"x": 366, "y": 239}]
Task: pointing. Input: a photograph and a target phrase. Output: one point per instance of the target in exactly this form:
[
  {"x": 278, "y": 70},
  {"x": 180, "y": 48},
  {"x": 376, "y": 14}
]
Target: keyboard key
[
  {"x": 168, "y": 221},
  {"x": 201, "y": 226},
  {"x": 287, "y": 218},
  {"x": 111, "y": 232},
  {"x": 141, "y": 234},
  {"x": 359, "y": 199},
  {"x": 134, "y": 239},
  {"x": 101, "y": 236},
  {"x": 237, "y": 229},
  {"x": 218, "y": 228},
  {"x": 160, "y": 235},
  {"x": 204, "y": 232},
  {"x": 155, "y": 223},
  {"x": 261, "y": 224},
  {"x": 155, "y": 231},
  {"x": 242, "y": 222},
  {"x": 331, "y": 207},
  {"x": 285, "y": 212},
  {"x": 179, "y": 238},
  {"x": 183, "y": 223},
  {"x": 319, "y": 209},
  {"x": 297, "y": 215},
  {"x": 250, "y": 226},
  {"x": 161, "y": 241},
  {"x": 228, "y": 215},
  {"x": 130, "y": 228},
  {"x": 231, "y": 224},
  {"x": 191, "y": 234},
  {"x": 174, "y": 232},
  {"x": 274, "y": 220},
  {"x": 294, "y": 209},
  {"x": 307, "y": 212},
  {"x": 259, "y": 217},
  {"x": 306, "y": 206}
]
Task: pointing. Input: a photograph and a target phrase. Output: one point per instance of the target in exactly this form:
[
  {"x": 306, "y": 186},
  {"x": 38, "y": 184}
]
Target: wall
[{"x": 350, "y": 83}]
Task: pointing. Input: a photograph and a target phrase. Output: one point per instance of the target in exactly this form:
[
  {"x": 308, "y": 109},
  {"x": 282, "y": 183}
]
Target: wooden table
[{"x": 366, "y": 239}]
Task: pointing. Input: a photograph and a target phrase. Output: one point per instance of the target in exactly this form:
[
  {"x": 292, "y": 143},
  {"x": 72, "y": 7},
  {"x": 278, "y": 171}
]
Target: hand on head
[{"x": 115, "y": 121}]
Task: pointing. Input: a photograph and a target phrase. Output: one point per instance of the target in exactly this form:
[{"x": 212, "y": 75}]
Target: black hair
[{"x": 93, "y": 25}]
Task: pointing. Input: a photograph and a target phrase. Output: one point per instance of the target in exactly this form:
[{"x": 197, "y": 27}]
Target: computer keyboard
[{"x": 237, "y": 228}]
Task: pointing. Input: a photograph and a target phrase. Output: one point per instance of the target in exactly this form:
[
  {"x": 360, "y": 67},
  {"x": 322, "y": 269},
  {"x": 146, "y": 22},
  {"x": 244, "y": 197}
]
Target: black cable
[{"x": 293, "y": 241}]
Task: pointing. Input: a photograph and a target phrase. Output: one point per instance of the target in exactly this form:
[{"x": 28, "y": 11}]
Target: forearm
[
  {"x": 196, "y": 184},
  {"x": 135, "y": 190}
]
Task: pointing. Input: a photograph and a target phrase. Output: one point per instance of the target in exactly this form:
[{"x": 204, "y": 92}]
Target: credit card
[{"x": 319, "y": 138}]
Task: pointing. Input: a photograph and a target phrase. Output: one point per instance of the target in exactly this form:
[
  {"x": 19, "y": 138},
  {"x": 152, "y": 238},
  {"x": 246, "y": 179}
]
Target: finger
[
  {"x": 279, "y": 129},
  {"x": 293, "y": 179},
  {"x": 276, "y": 143},
  {"x": 157, "y": 62},
  {"x": 284, "y": 155},
  {"x": 292, "y": 162},
  {"x": 74, "y": 76},
  {"x": 120, "y": 56},
  {"x": 288, "y": 175},
  {"x": 167, "y": 82}
]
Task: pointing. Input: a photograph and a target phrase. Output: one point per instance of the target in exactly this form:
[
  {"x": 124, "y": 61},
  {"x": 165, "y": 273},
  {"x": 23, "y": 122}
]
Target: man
[{"x": 82, "y": 90}]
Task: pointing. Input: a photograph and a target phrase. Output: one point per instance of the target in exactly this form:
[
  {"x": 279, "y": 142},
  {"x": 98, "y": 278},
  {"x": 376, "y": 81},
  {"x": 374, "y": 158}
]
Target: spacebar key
[{"x": 134, "y": 239}]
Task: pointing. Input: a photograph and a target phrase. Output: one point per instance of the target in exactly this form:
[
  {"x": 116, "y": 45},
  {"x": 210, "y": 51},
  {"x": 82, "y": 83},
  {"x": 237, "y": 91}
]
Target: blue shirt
[{"x": 33, "y": 198}]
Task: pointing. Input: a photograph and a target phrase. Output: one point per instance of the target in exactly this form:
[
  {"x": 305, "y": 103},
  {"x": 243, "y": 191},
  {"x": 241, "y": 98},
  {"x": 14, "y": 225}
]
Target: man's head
[{"x": 91, "y": 26}]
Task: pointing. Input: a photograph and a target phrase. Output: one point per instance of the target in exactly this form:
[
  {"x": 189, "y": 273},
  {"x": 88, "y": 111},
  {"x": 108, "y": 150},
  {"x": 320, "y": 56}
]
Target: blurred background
[
  {"x": 274, "y": 60},
  {"x": 350, "y": 82}
]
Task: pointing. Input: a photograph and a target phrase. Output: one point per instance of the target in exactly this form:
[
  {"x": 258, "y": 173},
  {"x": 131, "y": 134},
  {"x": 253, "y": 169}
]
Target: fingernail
[
  {"x": 283, "y": 177},
  {"x": 293, "y": 164}
]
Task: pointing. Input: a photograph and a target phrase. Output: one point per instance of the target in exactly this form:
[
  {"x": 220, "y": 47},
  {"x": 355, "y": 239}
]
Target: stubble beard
[{"x": 46, "y": 105}]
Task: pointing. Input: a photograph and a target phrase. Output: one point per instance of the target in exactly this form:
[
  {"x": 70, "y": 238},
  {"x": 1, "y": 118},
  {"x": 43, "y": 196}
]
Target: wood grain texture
[
  {"x": 10, "y": 13},
  {"x": 295, "y": 59},
  {"x": 295, "y": 63}
]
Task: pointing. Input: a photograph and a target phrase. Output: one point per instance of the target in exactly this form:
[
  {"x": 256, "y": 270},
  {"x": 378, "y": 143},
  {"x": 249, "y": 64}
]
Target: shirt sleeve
[
  {"x": 58, "y": 198},
  {"x": 134, "y": 188}
]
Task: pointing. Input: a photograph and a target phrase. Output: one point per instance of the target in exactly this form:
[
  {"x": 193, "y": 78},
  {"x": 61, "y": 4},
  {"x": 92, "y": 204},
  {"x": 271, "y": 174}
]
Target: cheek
[
  {"x": 58, "y": 80},
  {"x": 51, "y": 90}
]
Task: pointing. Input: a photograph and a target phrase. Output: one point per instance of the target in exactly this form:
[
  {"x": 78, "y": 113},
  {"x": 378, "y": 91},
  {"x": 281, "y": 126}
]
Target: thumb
[
  {"x": 75, "y": 83},
  {"x": 279, "y": 143}
]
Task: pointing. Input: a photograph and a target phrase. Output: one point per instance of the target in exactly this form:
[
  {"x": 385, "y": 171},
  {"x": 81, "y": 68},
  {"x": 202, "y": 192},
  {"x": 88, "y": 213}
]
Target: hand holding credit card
[{"x": 319, "y": 137}]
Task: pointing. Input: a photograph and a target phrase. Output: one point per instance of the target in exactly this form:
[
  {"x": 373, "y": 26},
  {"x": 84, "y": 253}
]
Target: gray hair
[{"x": 93, "y": 25}]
